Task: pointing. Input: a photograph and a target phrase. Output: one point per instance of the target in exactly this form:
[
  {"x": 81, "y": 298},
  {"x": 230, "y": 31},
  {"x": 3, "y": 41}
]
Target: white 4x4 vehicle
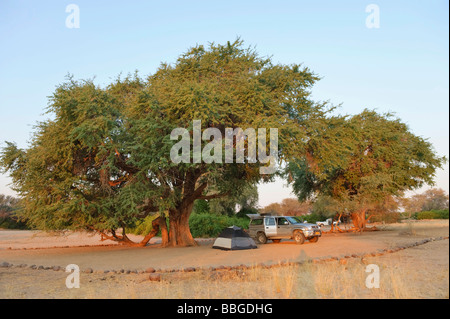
[
  {"x": 276, "y": 228},
  {"x": 328, "y": 222}
]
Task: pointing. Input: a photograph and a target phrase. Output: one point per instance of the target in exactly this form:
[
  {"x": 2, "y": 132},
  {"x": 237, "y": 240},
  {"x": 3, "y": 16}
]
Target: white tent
[{"x": 234, "y": 238}]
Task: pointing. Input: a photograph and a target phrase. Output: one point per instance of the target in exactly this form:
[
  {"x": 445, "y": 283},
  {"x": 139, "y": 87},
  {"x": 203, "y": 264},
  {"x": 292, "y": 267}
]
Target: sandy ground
[
  {"x": 32, "y": 239},
  {"x": 131, "y": 258},
  {"x": 19, "y": 281}
]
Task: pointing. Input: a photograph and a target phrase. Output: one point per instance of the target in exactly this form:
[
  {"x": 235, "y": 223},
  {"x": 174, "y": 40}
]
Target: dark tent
[{"x": 234, "y": 238}]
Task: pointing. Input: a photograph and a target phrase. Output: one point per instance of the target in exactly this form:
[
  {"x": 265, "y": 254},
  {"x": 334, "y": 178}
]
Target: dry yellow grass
[
  {"x": 311, "y": 281},
  {"x": 325, "y": 280},
  {"x": 418, "y": 228}
]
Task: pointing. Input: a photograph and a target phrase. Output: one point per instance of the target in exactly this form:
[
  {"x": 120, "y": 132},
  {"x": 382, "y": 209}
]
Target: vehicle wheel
[
  {"x": 276, "y": 241},
  {"x": 261, "y": 238},
  {"x": 314, "y": 239},
  {"x": 299, "y": 237}
]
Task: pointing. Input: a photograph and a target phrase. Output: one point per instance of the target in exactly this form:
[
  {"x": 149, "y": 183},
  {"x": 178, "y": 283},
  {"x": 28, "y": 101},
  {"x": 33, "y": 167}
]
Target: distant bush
[
  {"x": 427, "y": 215},
  {"x": 443, "y": 213},
  {"x": 433, "y": 214},
  {"x": 9, "y": 206},
  {"x": 201, "y": 224},
  {"x": 313, "y": 218},
  {"x": 244, "y": 211},
  {"x": 9, "y": 222},
  {"x": 201, "y": 206},
  {"x": 210, "y": 225}
]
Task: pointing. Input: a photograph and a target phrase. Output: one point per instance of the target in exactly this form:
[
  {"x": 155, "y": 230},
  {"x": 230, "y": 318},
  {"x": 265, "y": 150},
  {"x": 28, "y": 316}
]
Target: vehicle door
[
  {"x": 270, "y": 226},
  {"x": 283, "y": 227}
]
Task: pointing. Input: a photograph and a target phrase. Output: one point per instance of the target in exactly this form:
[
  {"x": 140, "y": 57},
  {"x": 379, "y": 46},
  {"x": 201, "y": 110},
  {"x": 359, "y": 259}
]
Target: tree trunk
[
  {"x": 157, "y": 225},
  {"x": 359, "y": 219},
  {"x": 179, "y": 231}
]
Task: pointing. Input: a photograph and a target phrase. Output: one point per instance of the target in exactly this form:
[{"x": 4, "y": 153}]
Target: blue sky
[{"x": 401, "y": 67}]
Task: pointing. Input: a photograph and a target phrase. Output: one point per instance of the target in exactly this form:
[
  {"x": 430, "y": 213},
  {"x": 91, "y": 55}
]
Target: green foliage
[
  {"x": 210, "y": 225},
  {"x": 246, "y": 199},
  {"x": 361, "y": 160},
  {"x": 244, "y": 211},
  {"x": 433, "y": 214},
  {"x": 313, "y": 218},
  {"x": 427, "y": 215},
  {"x": 12, "y": 223},
  {"x": 201, "y": 206},
  {"x": 9, "y": 206},
  {"x": 201, "y": 224},
  {"x": 325, "y": 206},
  {"x": 145, "y": 226},
  {"x": 103, "y": 159}
]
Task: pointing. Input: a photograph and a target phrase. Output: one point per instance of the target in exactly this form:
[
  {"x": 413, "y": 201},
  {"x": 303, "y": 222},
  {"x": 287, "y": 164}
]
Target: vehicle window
[
  {"x": 270, "y": 221},
  {"x": 282, "y": 221},
  {"x": 257, "y": 221},
  {"x": 298, "y": 219},
  {"x": 293, "y": 220}
]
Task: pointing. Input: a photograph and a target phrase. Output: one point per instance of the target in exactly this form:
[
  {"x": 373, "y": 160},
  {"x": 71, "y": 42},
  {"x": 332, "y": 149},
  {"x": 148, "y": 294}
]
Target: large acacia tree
[
  {"x": 362, "y": 161},
  {"x": 102, "y": 162}
]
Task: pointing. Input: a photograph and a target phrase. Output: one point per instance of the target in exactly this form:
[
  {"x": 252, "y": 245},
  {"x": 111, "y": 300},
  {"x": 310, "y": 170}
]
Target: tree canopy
[
  {"x": 431, "y": 199},
  {"x": 288, "y": 207},
  {"x": 8, "y": 207},
  {"x": 103, "y": 161},
  {"x": 362, "y": 160}
]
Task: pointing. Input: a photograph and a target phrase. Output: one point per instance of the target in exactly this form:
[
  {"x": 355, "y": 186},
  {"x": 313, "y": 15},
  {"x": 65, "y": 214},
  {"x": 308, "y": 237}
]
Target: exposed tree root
[{"x": 157, "y": 225}]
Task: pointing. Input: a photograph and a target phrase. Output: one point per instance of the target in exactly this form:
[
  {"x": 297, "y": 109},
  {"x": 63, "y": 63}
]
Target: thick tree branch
[
  {"x": 122, "y": 164},
  {"x": 157, "y": 225},
  {"x": 218, "y": 195},
  {"x": 198, "y": 192}
]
